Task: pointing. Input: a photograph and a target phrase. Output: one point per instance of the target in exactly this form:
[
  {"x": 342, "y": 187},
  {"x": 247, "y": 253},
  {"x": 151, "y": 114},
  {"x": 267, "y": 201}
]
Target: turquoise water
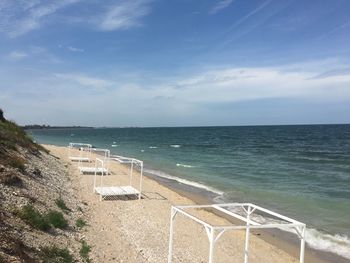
[{"x": 300, "y": 171}]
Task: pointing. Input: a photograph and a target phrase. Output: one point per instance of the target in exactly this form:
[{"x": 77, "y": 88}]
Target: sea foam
[
  {"x": 337, "y": 244},
  {"x": 183, "y": 181},
  {"x": 185, "y": 165}
]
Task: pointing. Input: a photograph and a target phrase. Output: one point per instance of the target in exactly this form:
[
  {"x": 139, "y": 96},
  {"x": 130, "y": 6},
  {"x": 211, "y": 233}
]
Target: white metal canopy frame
[
  {"x": 128, "y": 161},
  {"x": 215, "y": 232},
  {"x": 91, "y": 169},
  {"x": 126, "y": 190},
  {"x": 84, "y": 151}
]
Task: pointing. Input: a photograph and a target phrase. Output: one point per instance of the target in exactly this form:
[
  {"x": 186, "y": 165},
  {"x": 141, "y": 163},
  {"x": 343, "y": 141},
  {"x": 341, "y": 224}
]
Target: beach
[{"x": 138, "y": 230}]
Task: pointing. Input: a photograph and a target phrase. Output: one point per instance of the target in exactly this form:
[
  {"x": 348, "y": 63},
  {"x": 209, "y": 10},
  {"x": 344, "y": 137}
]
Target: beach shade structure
[
  {"x": 246, "y": 213},
  {"x": 126, "y": 190},
  {"x": 79, "y": 152},
  {"x": 127, "y": 161},
  {"x": 93, "y": 168}
]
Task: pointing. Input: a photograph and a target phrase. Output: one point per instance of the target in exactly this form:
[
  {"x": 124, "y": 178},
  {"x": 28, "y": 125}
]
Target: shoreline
[{"x": 276, "y": 238}]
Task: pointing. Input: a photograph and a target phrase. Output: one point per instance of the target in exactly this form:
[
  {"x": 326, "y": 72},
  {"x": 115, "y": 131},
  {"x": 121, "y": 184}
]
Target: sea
[{"x": 301, "y": 171}]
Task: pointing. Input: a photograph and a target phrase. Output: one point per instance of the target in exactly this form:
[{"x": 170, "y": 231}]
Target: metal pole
[
  {"x": 171, "y": 236},
  {"x": 302, "y": 245},
  {"x": 95, "y": 178},
  {"x": 141, "y": 175},
  {"x": 131, "y": 169},
  {"x": 246, "y": 247},
  {"x": 211, "y": 248},
  {"x": 101, "y": 177},
  {"x": 69, "y": 147}
]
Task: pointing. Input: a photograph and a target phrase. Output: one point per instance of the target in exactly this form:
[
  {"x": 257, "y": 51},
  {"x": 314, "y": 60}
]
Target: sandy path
[{"x": 138, "y": 230}]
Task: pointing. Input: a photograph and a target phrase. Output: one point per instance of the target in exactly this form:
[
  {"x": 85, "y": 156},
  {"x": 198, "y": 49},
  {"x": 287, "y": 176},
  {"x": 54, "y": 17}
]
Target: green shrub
[
  {"x": 12, "y": 136},
  {"x": 80, "y": 223},
  {"x": 18, "y": 163},
  {"x": 54, "y": 254},
  {"x": 2, "y": 118},
  {"x": 34, "y": 218},
  {"x": 84, "y": 251},
  {"x": 8, "y": 144},
  {"x": 61, "y": 204},
  {"x": 57, "y": 219}
]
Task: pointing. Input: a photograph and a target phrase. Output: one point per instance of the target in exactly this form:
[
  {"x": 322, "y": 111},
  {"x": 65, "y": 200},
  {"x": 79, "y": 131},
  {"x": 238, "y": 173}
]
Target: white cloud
[
  {"x": 75, "y": 49},
  {"x": 240, "y": 84},
  {"x": 85, "y": 80},
  {"x": 220, "y": 5},
  {"x": 66, "y": 98},
  {"x": 124, "y": 15},
  {"x": 250, "y": 14},
  {"x": 20, "y": 17},
  {"x": 17, "y": 55},
  {"x": 37, "y": 53}
]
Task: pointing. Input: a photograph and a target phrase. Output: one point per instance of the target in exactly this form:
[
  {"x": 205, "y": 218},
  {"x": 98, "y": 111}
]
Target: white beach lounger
[
  {"x": 116, "y": 191},
  {"x": 105, "y": 191},
  {"x": 81, "y": 159},
  {"x": 89, "y": 169},
  {"x": 84, "y": 152},
  {"x": 92, "y": 170}
]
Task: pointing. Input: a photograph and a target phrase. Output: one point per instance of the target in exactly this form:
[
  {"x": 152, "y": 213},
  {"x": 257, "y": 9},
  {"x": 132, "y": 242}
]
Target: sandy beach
[{"x": 125, "y": 230}]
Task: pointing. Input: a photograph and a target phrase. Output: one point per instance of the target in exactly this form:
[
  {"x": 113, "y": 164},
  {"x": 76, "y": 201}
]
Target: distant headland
[{"x": 46, "y": 127}]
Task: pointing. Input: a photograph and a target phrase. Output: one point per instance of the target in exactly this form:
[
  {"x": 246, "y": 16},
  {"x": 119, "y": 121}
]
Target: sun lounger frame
[
  {"x": 215, "y": 232},
  {"x": 126, "y": 160},
  {"x": 92, "y": 169},
  {"x": 83, "y": 147},
  {"x": 105, "y": 191}
]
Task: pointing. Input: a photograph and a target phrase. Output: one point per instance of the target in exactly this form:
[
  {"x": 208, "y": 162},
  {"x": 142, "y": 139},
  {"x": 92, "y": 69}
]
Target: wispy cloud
[
  {"x": 20, "y": 17},
  {"x": 333, "y": 73},
  {"x": 220, "y": 6},
  {"x": 236, "y": 84},
  {"x": 184, "y": 98},
  {"x": 37, "y": 53},
  {"x": 75, "y": 49},
  {"x": 85, "y": 80},
  {"x": 123, "y": 15},
  {"x": 345, "y": 25},
  {"x": 17, "y": 55},
  {"x": 250, "y": 14}
]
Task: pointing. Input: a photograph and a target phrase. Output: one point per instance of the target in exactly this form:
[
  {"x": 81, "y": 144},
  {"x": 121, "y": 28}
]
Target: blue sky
[{"x": 175, "y": 63}]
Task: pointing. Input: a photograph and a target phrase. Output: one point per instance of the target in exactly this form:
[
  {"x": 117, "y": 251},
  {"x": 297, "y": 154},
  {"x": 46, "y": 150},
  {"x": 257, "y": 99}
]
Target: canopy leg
[
  {"x": 212, "y": 244},
  {"x": 246, "y": 246},
  {"x": 302, "y": 245},
  {"x": 171, "y": 236}
]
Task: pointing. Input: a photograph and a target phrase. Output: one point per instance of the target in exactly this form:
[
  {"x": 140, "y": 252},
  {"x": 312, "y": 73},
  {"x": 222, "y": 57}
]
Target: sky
[{"x": 175, "y": 62}]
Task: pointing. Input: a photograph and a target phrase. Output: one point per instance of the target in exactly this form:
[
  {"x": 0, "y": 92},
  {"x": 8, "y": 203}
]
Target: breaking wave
[
  {"x": 184, "y": 165},
  {"x": 183, "y": 181}
]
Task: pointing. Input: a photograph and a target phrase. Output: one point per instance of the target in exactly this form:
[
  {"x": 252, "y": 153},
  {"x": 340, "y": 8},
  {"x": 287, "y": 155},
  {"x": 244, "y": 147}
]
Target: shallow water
[{"x": 301, "y": 171}]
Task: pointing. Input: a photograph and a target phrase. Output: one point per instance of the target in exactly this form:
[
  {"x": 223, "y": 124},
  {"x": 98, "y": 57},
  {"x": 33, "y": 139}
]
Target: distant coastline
[
  {"x": 48, "y": 127},
  {"x": 40, "y": 127}
]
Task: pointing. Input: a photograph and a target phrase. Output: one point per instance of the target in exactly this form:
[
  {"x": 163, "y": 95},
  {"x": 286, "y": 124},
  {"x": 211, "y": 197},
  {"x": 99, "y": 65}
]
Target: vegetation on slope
[
  {"x": 12, "y": 138},
  {"x": 32, "y": 187}
]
